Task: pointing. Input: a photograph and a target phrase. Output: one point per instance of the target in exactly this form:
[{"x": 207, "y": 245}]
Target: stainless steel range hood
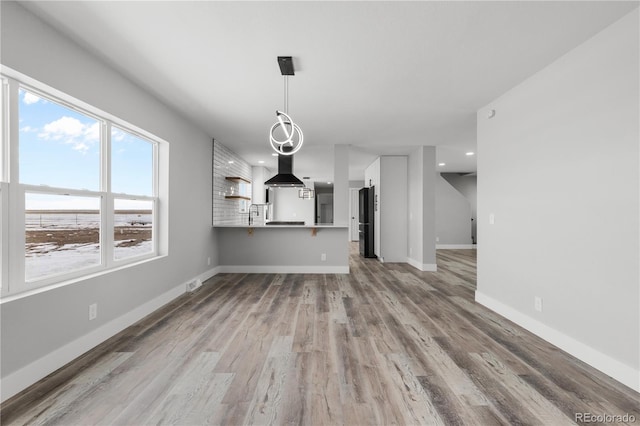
[{"x": 285, "y": 177}]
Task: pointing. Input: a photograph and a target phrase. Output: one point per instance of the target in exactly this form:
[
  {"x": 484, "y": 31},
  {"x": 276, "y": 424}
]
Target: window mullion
[
  {"x": 108, "y": 231},
  {"x": 15, "y": 196}
]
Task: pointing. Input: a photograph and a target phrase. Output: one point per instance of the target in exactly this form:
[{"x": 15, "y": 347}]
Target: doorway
[{"x": 354, "y": 214}]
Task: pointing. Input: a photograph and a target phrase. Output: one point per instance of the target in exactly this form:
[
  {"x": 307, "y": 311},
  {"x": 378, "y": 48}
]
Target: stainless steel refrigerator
[{"x": 367, "y": 202}]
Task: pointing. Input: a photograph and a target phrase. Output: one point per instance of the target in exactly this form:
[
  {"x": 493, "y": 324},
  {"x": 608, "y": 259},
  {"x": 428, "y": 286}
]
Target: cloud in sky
[
  {"x": 30, "y": 98},
  {"x": 72, "y": 131},
  {"x": 117, "y": 134}
]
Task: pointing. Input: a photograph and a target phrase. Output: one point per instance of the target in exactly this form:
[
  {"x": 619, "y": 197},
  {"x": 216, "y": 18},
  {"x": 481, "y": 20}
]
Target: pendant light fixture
[
  {"x": 306, "y": 193},
  {"x": 293, "y": 137}
]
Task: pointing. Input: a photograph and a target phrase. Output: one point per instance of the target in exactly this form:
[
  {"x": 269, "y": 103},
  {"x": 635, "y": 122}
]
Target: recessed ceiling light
[
  {"x": 441, "y": 164},
  {"x": 260, "y": 161},
  {"x": 470, "y": 153},
  {"x": 329, "y": 183},
  {"x": 274, "y": 155},
  {"x": 230, "y": 161}
]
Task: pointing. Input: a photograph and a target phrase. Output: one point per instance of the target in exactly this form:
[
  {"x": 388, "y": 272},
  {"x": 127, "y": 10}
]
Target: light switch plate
[
  {"x": 537, "y": 303},
  {"x": 93, "y": 311}
]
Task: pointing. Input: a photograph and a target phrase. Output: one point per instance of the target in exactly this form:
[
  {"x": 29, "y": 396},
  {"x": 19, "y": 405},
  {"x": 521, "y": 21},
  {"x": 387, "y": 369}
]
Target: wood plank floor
[{"x": 384, "y": 345}]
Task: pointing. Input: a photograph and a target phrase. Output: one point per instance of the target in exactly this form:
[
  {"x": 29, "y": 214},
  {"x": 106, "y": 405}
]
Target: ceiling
[{"x": 382, "y": 77}]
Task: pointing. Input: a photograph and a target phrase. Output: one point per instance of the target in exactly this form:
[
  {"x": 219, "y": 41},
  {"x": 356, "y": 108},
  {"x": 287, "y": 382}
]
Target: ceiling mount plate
[{"x": 286, "y": 65}]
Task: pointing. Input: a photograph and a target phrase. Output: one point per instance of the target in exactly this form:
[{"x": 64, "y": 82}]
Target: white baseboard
[
  {"x": 425, "y": 267},
  {"x": 210, "y": 273},
  {"x": 271, "y": 269},
  {"x": 455, "y": 246},
  {"x": 30, "y": 374},
  {"x": 619, "y": 371}
]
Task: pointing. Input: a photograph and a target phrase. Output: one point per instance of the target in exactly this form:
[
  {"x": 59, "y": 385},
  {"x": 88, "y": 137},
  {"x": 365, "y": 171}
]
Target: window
[
  {"x": 83, "y": 193},
  {"x": 59, "y": 146},
  {"x": 131, "y": 163},
  {"x": 132, "y": 178},
  {"x": 62, "y": 234},
  {"x": 133, "y": 227}
]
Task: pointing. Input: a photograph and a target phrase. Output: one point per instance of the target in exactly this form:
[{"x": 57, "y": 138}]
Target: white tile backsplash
[{"x": 228, "y": 163}]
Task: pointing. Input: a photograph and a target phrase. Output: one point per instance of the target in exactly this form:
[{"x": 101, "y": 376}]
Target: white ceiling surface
[{"x": 382, "y": 77}]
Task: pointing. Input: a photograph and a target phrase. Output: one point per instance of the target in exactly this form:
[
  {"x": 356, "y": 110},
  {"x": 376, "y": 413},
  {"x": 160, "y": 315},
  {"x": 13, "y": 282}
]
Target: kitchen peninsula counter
[{"x": 261, "y": 248}]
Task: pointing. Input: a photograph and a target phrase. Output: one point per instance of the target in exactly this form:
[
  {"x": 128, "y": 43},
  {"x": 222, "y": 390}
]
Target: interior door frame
[{"x": 354, "y": 214}]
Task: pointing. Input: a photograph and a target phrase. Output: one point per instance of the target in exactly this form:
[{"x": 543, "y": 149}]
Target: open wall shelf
[
  {"x": 237, "y": 179},
  {"x": 243, "y": 188}
]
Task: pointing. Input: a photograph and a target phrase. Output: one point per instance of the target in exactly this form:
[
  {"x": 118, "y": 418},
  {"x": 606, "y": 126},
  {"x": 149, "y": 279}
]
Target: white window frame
[
  {"x": 4, "y": 187},
  {"x": 126, "y": 196},
  {"x": 51, "y": 279},
  {"x": 13, "y": 193}
]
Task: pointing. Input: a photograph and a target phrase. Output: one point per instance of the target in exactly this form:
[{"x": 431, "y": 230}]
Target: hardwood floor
[{"x": 384, "y": 345}]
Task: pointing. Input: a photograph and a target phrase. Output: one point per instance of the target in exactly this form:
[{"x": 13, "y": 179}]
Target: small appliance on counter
[{"x": 367, "y": 196}]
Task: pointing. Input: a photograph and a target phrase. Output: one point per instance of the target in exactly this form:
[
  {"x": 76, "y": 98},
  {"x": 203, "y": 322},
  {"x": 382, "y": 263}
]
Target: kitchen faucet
[{"x": 257, "y": 211}]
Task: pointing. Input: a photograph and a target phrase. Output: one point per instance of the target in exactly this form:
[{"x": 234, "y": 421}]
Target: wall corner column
[{"x": 341, "y": 185}]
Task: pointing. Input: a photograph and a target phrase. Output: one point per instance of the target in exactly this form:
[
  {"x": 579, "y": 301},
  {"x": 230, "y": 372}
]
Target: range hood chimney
[{"x": 285, "y": 177}]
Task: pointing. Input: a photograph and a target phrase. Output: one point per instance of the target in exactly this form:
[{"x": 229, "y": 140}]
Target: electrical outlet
[
  {"x": 537, "y": 303},
  {"x": 208, "y": 261},
  {"x": 437, "y": 239},
  {"x": 492, "y": 219},
  {"x": 323, "y": 257},
  {"x": 93, "y": 311}
]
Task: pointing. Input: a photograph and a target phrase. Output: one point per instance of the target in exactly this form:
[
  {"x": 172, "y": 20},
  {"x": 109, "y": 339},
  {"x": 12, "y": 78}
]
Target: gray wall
[
  {"x": 388, "y": 174},
  {"x": 284, "y": 249},
  {"x": 422, "y": 204},
  {"x": 287, "y": 205},
  {"x": 34, "y": 326},
  {"x": 393, "y": 208},
  {"x": 341, "y": 185},
  {"x": 259, "y": 175},
  {"x": 559, "y": 171},
  {"x": 467, "y": 185},
  {"x": 453, "y": 215}
]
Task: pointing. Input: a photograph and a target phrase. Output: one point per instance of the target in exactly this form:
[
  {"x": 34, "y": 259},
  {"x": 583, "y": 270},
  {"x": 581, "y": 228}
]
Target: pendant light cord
[{"x": 286, "y": 94}]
